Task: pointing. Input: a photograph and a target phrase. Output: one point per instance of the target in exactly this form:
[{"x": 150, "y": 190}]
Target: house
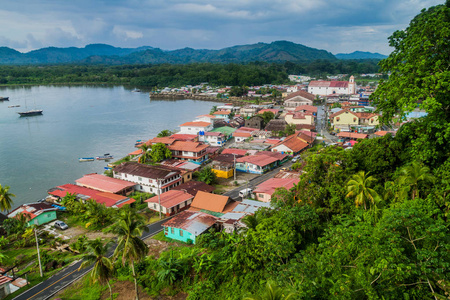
[
  {"x": 36, "y": 213},
  {"x": 106, "y": 184},
  {"x": 241, "y": 136},
  {"x": 264, "y": 191},
  {"x": 195, "y": 127},
  {"x": 237, "y": 121},
  {"x": 170, "y": 202},
  {"x": 297, "y": 99},
  {"x": 276, "y": 125},
  {"x": 188, "y": 225},
  {"x": 297, "y": 118},
  {"x": 249, "y": 110},
  {"x": 324, "y": 88},
  {"x": 272, "y": 110},
  {"x": 186, "y": 168},
  {"x": 222, "y": 114},
  {"x": 192, "y": 187},
  {"x": 346, "y": 118},
  {"x": 223, "y": 165},
  {"x": 256, "y": 122},
  {"x": 352, "y": 135},
  {"x": 212, "y": 138},
  {"x": 192, "y": 151},
  {"x": 149, "y": 179},
  {"x": 184, "y": 137},
  {"x": 235, "y": 151},
  {"x": 210, "y": 202},
  {"x": 306, "y": 109},
  {"x": 206, "y": 118},
  {"x": 226, "y": 131},
  {"x": 84, "y": 193},
  {"x": 231, "y": 221},
  {"x": 292, "y": 144},
  {"x": 260, "y": 162}
]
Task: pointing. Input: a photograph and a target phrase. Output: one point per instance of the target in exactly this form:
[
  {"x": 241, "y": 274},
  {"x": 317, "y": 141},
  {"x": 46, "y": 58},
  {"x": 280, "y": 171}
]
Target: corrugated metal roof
[
  {"x": 194, "y": 222},
  {"x": 233, "y": 216}
]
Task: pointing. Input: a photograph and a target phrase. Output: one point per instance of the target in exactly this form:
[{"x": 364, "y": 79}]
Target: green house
[
  {"x": 37, "y": 213},
  {"x": 188, "y": 225}
]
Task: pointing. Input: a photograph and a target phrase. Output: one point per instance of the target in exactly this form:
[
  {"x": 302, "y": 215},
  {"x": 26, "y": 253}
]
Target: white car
[{"x": 61, "y": 225}]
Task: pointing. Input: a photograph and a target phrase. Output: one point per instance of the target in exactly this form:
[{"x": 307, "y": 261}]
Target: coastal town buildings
[{"x": 170, "y": 202}]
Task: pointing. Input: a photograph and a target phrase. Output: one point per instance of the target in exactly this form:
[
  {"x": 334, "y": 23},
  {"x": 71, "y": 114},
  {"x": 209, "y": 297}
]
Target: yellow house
[
  {"x": 223, "y": 173},
  {"x": 346, "y": 118},
  {"x": 299, "y": 118}
]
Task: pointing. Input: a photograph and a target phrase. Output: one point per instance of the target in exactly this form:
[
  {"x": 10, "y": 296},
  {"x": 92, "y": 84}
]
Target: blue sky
[{"x": 338, "y": 26}]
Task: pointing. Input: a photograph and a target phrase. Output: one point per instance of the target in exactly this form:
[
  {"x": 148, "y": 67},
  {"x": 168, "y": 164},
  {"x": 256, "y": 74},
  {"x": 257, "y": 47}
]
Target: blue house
[{"x": 188, "y": 225}]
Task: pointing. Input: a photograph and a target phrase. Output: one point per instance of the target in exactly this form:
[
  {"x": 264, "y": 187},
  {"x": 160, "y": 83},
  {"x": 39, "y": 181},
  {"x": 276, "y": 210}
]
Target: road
[
  {"x": 234, "y": 194},
  {"x": 59, "y": 281},
  {"x": 321, "y": 125}
]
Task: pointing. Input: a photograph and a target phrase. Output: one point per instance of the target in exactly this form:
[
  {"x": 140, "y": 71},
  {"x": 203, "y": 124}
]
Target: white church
[{"x": 326, "y": 88}]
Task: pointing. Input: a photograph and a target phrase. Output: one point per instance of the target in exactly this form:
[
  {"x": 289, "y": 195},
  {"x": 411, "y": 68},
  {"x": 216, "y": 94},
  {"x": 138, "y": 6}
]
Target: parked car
[
  {"x": 61, "y": 225},
  {"x": 245, "y": 192}
]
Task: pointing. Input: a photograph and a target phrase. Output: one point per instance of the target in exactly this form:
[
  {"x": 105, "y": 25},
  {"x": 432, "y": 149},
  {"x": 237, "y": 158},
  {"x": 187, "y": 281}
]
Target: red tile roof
[
  {"x": 184, "y": 137},
  {"x": 188, "y": 146},
  {"x": 259, "y": 160},
  {"x": 196, "y": 124},
  {"x": 137, "y": 152},
  {"x": 383, "y": 133},
  {"x": 146, "y": 171},
  {"x": 208, "y": 201},
  {"x": 192, "y": 187},
  {"x": 269, "y": 186},
  {"x": 104, "y": 183},
  {"x": 323, "y": 83},
  {"x": 293, "y": 142},
  {"x": 171, "y": 198},
  {"x": 222, "y": 112},
  {"x": 234, "y": 151},
  {"x": 302, "y": 94},
  {"x": 164, "y": 140},
  {"x": 109, "y": 199},
  {"x": 273, "y": 110},
  {"x": 352, "y": 135},
  {"x": 238, "y": 133},
  {"x": 310, "y": 108}
]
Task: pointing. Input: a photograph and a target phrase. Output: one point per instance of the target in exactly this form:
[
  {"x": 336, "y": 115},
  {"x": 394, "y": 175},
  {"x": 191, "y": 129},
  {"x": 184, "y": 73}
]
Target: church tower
[{"x": 352, "y": 86}]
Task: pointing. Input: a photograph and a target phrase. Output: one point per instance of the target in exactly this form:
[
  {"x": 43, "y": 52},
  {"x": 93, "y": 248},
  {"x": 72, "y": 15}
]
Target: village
[{"x": 247, "y": 152}]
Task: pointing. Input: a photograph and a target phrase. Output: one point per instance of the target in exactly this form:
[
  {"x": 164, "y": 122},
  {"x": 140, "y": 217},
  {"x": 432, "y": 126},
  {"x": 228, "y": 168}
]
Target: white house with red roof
[
  {"x": 325, "y": 88},
  {"x": 264, "y": 191},
  {"x": 260, "y": 162},
  {"x": 195, "y": 127},
  {"x": 106, "y": 184},
  {"x": 172, "y": 202},
  {"x": 216, "y": 139}
]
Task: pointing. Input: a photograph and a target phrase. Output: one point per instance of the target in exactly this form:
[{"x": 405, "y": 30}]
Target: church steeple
[{"x": 352, "y": 85}]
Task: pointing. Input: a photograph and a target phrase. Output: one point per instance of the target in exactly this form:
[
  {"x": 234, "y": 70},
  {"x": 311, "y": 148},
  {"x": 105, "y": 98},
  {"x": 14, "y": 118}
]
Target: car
[
  {"x": 245, "y": 192},
  {"x": 294, "y": 159},
  {"x": 61, "y": 225}
]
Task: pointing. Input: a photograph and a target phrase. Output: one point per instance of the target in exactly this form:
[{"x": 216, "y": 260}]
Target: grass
[
  {"x": 160, "y": 236},
  {"x": 83, "y": 289}
]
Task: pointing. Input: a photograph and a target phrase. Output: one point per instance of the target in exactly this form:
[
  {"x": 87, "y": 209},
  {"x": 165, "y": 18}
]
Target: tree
[
  {"x": 103, "y": 268},
  {"x": 213, "y": 110},
  {"x": 290, "y": 129},
  {"x": 359, "y": 188},
  {"x": 419, "y": 78},
  {"x": 272, "y": 292},
  {"x": 160, "y": 152},
  {"x": 165, "y": 133},
  {"x": 207, "y": 175},
  {"x": 146, "y": 153},
  {"x": 5, "y": 198},
  {"x": 413, "y": 174},
  {"x": 267, "y": 116},
  {"x": 130, "y": 247}
]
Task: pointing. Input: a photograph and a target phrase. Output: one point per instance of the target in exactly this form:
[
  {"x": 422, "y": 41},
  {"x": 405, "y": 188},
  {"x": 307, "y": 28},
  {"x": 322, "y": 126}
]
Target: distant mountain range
[
  {"x": 279, "y": 51},
  {"x": 360, "y": 55}
]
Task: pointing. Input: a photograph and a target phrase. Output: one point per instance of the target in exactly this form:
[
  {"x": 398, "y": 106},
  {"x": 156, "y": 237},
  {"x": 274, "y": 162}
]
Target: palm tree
[
  {"x": 272, "y": 292},
  {"x": 413, "y": 174},
  {"x": 359, "y": 188},
  {"x": 103, "y": 268},
  {"x": 130, "y": 247},
  {"x": 146, "y": 153},
  {"x": 5, "y": 198},
  {"x": 251, "y": 221}
]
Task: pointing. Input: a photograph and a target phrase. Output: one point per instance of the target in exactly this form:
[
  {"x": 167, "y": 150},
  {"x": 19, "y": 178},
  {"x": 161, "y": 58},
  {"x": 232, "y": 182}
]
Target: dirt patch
[
  {"x": 155, "y": 247},
  {"x": 75, "y": 231},
  {"x": 125, "y": 289}
]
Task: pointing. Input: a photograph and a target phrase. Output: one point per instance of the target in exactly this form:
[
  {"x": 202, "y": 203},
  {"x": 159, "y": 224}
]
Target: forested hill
[
  {"x": 360, "y": 55},
  {"x": 280, "y": 51}
]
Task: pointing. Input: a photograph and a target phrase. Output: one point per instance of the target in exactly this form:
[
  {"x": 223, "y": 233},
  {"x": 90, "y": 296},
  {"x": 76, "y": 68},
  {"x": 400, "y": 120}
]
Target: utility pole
[
  {"x": 234, "y": 156},
  {"x": 39, "y": 255},
  {"x": 159, "y": 196}
]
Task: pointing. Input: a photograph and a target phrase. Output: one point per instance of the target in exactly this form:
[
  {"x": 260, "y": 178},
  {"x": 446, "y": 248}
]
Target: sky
[{"x": 338, "y": 26}]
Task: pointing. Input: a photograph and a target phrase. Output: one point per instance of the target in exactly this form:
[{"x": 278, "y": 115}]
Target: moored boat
[
  {"x": 33, "y": 112},
  {"x": 17, "y": 105},
  {"x": 105, "y": 156},
  {"x": 4, "y": 98},
  {"x": 86, "y": 159}
]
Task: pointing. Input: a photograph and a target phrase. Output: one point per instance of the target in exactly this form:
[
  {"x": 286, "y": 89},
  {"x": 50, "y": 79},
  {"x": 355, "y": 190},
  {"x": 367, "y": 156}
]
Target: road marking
[{"x": 52, "y": 284}]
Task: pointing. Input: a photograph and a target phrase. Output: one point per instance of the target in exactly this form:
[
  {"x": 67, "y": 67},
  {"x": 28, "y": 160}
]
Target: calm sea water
[{"x": 41, "y": 152}]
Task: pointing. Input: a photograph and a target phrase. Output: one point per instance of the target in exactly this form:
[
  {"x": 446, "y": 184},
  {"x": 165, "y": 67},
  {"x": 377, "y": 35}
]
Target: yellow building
[{"x": 346, "y": 119}]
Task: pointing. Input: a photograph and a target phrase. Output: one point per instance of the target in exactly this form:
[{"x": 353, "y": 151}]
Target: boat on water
[
  {"x": 4, "y": 98},
  {"x": 86, "y": 159},
  {"x": 105, "y": 156},
  {"x": 139, "y": 143},
  {"x": 136, "y": 91},
  {"x": 17, "y": 105},
  {"x": 33, "y": 112}
]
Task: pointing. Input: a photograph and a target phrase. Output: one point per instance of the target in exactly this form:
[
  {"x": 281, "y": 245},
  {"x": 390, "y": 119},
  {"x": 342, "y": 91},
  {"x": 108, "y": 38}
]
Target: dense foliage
[{"x": 257, "y": 73}]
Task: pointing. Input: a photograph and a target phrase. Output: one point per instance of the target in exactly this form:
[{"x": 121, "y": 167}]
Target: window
[
  {"x": 371, "y": 120},
  {"x": 337, "y": 119},
  {"x": 354, "y": 119},
  {"x": 181, "y": 232},
  {"x": 139, "y": 178}
]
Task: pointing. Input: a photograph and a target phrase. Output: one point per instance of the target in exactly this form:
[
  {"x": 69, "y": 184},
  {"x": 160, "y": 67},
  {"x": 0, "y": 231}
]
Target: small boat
[
  {"x": 17, "y": 105},
  {"x": 4, "y": 98},
  {"x": 86, "y": 159},
  {"x": 33, "y": 112},
  {"x": 136, "y": 91},
  {"x": 105, "y": 156},
  {"x": 139, "y": 143}
]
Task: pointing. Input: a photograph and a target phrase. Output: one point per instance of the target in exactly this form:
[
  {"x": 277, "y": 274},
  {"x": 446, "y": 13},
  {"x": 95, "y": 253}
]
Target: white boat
[{"x": 86, "y": 159}]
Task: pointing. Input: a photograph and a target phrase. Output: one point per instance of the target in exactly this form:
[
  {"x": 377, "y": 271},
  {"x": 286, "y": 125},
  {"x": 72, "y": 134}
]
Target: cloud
[{"x": 172, "y": 24}]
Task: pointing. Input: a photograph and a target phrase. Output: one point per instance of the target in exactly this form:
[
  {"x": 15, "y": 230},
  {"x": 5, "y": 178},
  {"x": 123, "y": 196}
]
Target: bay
[{"x": 41, "y": 152}]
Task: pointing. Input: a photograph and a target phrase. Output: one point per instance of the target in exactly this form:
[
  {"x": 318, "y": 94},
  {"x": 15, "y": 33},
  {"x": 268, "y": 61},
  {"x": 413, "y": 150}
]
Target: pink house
[{"x": 264, "y": 191}]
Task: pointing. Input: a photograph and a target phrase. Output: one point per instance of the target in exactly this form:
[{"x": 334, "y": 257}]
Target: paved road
[
  {"x": 234, "y": 194},
  {"x": 57, "y": 282},
  {"x": 321, "y": 126}
]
